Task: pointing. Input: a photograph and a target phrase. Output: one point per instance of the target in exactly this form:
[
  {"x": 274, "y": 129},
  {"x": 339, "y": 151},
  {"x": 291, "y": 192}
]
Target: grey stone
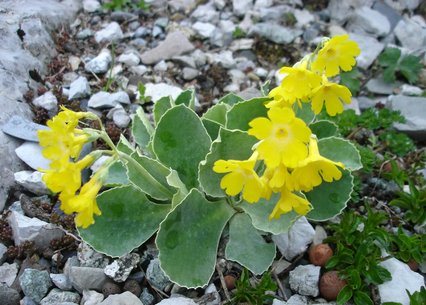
[
  {"x": 119, "y": 270},
  {"x": 91, "y": 297},
  {"x": 189, "y": 73},
  {"x": 8, "y": 295},
  {"x": 156, "y": 276},
  {"x": 100, "y": 99},
  {"x": 86, "y": 278},
  {"x": 91, "y": 6},
  {"x": 120, "y": 117},
  {"x": 178, "y": 300},
  {"x": 304, "y": 280},
  {"x": 139, "y": 70},
  {"x": 370, "y": 49},
  {"x": 303, "y": 17},
  {"x": 411, "y": 90},
  {"x": 156, "y": 31},
  {"x": 87, "y": 257},
  {"x": 413, "y": 109},
  {"x": 296, "y": 240},
  {"x": 340, "y": 11},
  {"x": 404, "y": 33},
  {"x": 35, "y": 283},
  {"x": 272, "y": 13},
  {"x": 185, "y": 61},
  {"x": 8, "y": 273},
  {"x": 99, "y": 64},
  {"x": 22, "y": 128},
  {"x": 241, "y": 7},
  {"x": 61, "y": 281},
  {"x": 57, "y": 296},
  {"x": 146, "y": 297},
  {"x": 129, "y": 58},
  {"x": 392, "y": 15},
  {"x": 274, "y": 32},
  {"x": 47, "y": 101},
  {"x": 33, "y": 229},
  {"x": 379, "y": 86},
  {"x": 211, "y": 296},
  {"x": 125, "y": 298},
  {"x": 69, "y": 77},
  {"x": 206, "y": 13},
  {"x": 365, "y": 102},
  {"x": 32, "y": 181},
  {"x": 401, "y": 5},
  {"x": 122, "y": 16},
  {"x": 31, "y": 154},
  {"x": 320, "y": 235},
  {"x": 199, "y": 57},
  {"x": 403, "y": 278},
  {"x": 112, "y": 32},
  {"x": 79, "y": 88},
  {"x": 249, "y": 93},
  {"x": 294, "y": 300},
  {"x": 176, "y": 43},
  {"x": 161, "y": 66},
  {"x": 84, "y": 34},
  {"x": 3, "y": 251},
  {"x": 369, "y": 21},
  {"x": 204, "y": 29},
  {"x": 184, "y": 6},
  {"x": 225, "y": 58}
]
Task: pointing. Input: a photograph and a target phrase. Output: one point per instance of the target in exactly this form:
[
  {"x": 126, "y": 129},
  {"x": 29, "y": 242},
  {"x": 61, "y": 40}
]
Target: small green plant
[
  {"x": 408, "y": 248},
  {"x": 110, "y": 79},
  {"x": 395, "y": 64},
  {"x": 351, "y": 79},
  {"x": 358, "y": 243},
  {"x": 255, "y": 295},
  {"x": 119, "y": 5},
  {"x": 417, "y": 298},
  {"x": 368, "y": 158},
  {"x": 142, "y": 97},
  {"x": 238, "y": 33},
  {"x": 398, "y": 143},
  {"x": 414, "y": 204}
]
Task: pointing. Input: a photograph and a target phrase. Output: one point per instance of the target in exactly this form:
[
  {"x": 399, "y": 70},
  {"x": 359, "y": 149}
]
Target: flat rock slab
[{"x": 20, "y": 127}]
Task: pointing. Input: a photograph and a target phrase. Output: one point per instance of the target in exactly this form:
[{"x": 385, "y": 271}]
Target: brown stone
[
  {"x": 320, "y": 254},
  {"x": 330, "y": 285},
  {"x": 229, "y": 281}
]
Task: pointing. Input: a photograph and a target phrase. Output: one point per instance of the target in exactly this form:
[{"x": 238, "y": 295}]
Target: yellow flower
[
  {"x": 277, "y": 176},
  {"x": 288, "y": 202},
  {"x": 241, "y": 178},
  {"x": 84, "y": 204},
  {"x": 284, "y": 137},
  {"x": 338, "y": 53},
  {"x": 279, "y": 98},
  {"x": 299, "y": 82},
  {"x": 332, "y": 95},
  {"x": 314, "y": 169}
]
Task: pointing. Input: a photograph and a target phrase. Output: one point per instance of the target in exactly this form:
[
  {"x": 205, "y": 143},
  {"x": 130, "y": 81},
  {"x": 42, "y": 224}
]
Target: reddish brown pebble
[
  {"x": 110, "y": 288},
  {"x": 330, "y": 285},
  {"x": 133, "y": 286},
  {"x": 229, "y": 281},
  {"x": 320, "y": 254},
  {"x": 413, "y": 265}
]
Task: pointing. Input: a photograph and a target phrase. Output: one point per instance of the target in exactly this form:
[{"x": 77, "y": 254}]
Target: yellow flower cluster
[
  {"x": 286, "y": 145},
  {"x": 62, "y": 144}
]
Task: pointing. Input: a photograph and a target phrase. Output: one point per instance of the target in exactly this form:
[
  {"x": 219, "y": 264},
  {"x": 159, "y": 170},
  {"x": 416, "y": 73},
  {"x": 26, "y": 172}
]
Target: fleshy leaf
[
  {"x": 217, "y": 113},
  {"x": 212, "y": 128},
  {"x": 247, "y": 247},
  {"x": 188, "y": 239},
  {"x": 161, "y": 106},
  {"x": 117, "y": 175},
  {"x": 304, "y": 112},
  {"x": 174, "y": 180},
  {"x": 340, "y": 150},
  {"x": 181, "y": 142},
  {"x": 128, "y": 220},
  {"x": 230, "y": 99},
  {"x": 231, "y": 144},
  {"x": 142, "y": 129},
  {"x": 186, "y": 98},
  {"x": 329, "y": 199},
  {"x": 324, "y": 129},
  {"x": 240, "y": 115},
  {"x": 259, "y": 213}
]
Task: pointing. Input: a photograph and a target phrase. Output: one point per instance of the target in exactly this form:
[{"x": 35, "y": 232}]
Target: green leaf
[
  {"x": 186, "y": 98},
  {"x": 174, "y": 180},
  {"x": 247, "y": 247},
  {"x": 329, "y": 199},
  {"x": 124, "y": 145},
  {"x": 340, "y": 150},
  {"x": 389, "y": 57},
  {"x": 217, "y": 113},
  {"x": 260, "y": 211},
  {"x": 212, "y": 128},
  {"x": 156, "y": 186},
  {"x": 188, "y": 239},
  {"x": 304, "y": 112},
  {"x": 344, "y": 295},
  {"x": 231, "y": 144},
  {"x": 161, "y": 106},
  {"x": 351, "y": 80},
  {"x": 324, "y": 129},
  {"x": 389, "y": 74},
  {"x": 264, "y": 88},
  {"x": 181, "y": 142},
  {"x": 142, "y": 129},
  {"x": 239, "y": 116},
  {"x": 117, "y": 175},
  {"x": 361, "y": 298},
  {"x": 126, "y": 212},
  {"x": 410, "y": 67},
  {"x": 230, "y": 99}
]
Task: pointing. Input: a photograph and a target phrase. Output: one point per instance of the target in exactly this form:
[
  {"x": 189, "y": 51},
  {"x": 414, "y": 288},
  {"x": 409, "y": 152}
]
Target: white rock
[
  {"x": 370, "y": 49},
  {"x": 125, "y": 298},
  {"x": 320, "y": 235},
  {"x": 304, "y": 280},
  {"x": 86, "y": 278},
  {"x": 401, "y": 5},
  {"x": 206, "y": 13},
  {"x": 98, "y": 163},
  {"x": 177, "y": 301},
  {"x": 225, "y": 58},
  {"x": 369, "y": 21},
  {"x": 79, "y": 88},
  {"x": 261, "y": 72},
  {"x": 303, "y": 17},
  {"x": 119, "y": 270},
  {"x": 296, "y": 240},
  {"x": 275, "y": 32},
  {"x": 32, "y": 181},
  {"x": 161, "y": 66},
  {"x": 91, "y": 297},
  {"x": 100, "y": 63},
  {"x": 47, "y": 101},
  {"x": 74, "y": 62},
  {"x": 189, "y": 73},
  {"x": 295, "y": 299},
  {"x": 87, "y": 257},
  {"x": 8, "y": 273},
  {"x": 139, "y": 70},
  {"x": 112, "y": 32},
  {"x": 379, "y": 86},
  {"x": 404, "y": 33},
  {"x": 403, "y": 278},
  {"x": 31, "y": 154},
  {"x": 32, "y": 229},
  {"x": 204, "y": 29},
  {"x": 91, "y": 6},
  {"x": 120, "y": 117},
  {"x": 115, "y": 71},
  {"x": 3, "y": 250},
  {"x": 129, "y": 58},
  {"x": 120, "y": 97},
  {"x": 100, "y": 99},
  {"x": 242, "y": 44},
  {"x": 411, "y": 90},
  {"x": 61, "y": 281},
  {"x": 157, "y": 91},
  {"x": 241, "y": 7},
  {"x": 263, "y": 3},
  {"x": 212, "y": 295}
]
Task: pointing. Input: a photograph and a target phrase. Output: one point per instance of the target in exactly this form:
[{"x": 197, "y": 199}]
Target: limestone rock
[
  {"x": 369, "y": 21},
  {"x": 79, "y": 88},
  {"x": 112, "y": 32},
  {"x": 100, "y": 63},
  {"x": 47, "y": 101},
  {"x": 370, "y": 49},
  {"x": 8, "y": 273},
  {"x": 125, "y": 298},
  {"x": 32, "y": 181},
  {"x": 304, "y": 280},
  {"x": 120, "y": 269}
]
